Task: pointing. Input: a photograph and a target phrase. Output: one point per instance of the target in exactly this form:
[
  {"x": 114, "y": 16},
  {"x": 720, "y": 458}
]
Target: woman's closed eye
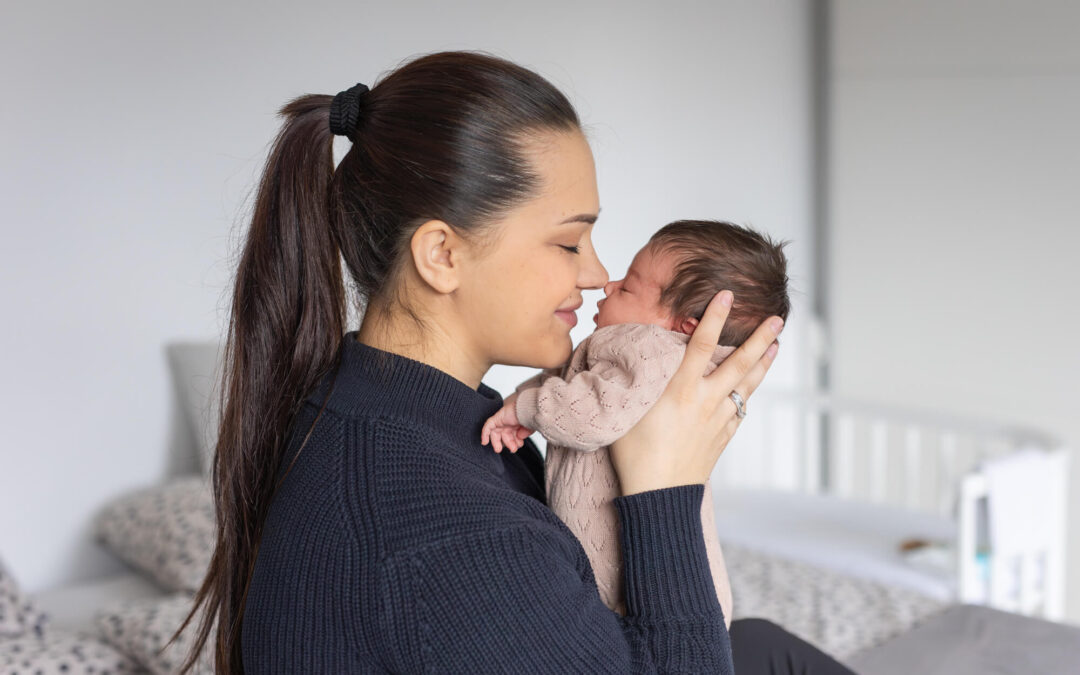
[{"x": 571, "y": 249}]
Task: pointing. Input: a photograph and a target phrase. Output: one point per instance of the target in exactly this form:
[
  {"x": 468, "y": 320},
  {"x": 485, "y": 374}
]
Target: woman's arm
[{"x": 522, "y": 599}]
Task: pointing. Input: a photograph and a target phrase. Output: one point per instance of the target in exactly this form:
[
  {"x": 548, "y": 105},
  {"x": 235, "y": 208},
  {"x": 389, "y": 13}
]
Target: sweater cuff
[
  {"x": 526, "y": 405},
  {"x": 666, "y": 565}
]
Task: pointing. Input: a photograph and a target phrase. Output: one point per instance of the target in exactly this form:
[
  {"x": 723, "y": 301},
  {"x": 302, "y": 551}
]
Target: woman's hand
[{"x": 679, "y": 440}]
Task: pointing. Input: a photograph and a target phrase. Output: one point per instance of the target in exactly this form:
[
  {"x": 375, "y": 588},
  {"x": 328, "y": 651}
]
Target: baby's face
[{"x": 636, "y": 297}]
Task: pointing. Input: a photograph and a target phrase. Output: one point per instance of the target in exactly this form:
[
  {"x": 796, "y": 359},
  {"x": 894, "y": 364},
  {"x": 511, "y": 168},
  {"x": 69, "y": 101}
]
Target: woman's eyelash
[{"x": 572, "y": 249}]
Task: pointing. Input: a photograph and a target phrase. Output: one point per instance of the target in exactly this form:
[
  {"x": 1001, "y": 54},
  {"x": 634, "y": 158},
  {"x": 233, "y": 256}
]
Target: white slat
[{"x": 879, "y": 461}]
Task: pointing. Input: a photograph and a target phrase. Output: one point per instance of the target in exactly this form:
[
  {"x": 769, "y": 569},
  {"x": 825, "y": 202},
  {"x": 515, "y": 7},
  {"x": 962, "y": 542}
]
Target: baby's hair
[{"x": 711, "y": 256}]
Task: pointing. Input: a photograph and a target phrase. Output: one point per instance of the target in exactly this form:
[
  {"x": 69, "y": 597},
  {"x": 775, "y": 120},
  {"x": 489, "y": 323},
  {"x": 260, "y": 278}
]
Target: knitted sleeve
[
  {"x": 539, "y": 379},
  {"x": 522, "y": 599},
  {"x": 626, "y": 369}
]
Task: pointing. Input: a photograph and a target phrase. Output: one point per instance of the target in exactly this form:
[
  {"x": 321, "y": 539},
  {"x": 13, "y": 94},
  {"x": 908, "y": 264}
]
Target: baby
[{"x": 617, "y": 373}]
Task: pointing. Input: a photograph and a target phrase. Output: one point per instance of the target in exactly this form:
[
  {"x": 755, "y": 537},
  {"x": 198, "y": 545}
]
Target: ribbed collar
[{"x": 374, "y": 381}]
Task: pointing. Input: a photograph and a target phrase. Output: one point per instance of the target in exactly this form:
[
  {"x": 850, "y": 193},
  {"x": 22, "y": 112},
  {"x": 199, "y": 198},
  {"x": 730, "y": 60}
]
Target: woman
[{"x": 362, "y": 526}]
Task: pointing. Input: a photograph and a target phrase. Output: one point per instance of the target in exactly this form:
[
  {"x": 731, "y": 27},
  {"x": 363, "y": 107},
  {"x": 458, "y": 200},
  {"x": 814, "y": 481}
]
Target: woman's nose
[{"x": 591, "y": 274}]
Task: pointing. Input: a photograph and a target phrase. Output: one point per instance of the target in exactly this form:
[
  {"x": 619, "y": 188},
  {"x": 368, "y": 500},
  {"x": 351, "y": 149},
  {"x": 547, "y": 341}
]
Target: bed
[
  {"x": 959, "y": 509},
  {"x": 810, "y": 523}
]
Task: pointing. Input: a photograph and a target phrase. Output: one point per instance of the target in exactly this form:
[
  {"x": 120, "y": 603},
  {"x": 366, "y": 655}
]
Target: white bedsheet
[
  {"x": 856, "y": 539},
  {"x": 73, "y": 607}
]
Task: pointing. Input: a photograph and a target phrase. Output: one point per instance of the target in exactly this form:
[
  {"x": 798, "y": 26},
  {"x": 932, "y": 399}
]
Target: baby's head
[{"x": 673, "y": 278}]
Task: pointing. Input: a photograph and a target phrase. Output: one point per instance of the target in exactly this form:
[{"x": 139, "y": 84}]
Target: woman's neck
[{"x": 430, "y": 343}]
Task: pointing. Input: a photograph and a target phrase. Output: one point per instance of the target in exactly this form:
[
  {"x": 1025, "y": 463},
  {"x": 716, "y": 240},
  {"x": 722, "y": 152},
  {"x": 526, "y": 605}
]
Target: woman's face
[{"x": 520, "y": 296}]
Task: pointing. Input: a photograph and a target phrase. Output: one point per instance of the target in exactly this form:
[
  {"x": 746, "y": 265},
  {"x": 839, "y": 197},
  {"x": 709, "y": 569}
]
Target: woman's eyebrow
[{"x": 589, "y": 218}]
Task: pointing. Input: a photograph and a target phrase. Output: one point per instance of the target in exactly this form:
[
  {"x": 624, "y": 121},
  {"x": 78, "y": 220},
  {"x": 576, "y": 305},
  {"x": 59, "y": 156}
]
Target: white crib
[{"x": 840, "y": 484}]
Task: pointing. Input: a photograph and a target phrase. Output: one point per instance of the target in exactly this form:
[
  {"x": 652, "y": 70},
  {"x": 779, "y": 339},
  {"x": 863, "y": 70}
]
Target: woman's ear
[
  {"x": 686, "y": 325},
  {"x": 436, "y": 255}
]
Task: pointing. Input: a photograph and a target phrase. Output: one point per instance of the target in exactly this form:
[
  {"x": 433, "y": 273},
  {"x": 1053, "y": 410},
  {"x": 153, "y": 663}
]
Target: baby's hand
[{"x": 502, "y": 428}]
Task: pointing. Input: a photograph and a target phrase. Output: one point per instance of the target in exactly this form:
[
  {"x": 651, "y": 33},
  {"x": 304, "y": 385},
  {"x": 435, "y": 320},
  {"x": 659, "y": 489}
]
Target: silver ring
[{"x": 740, "y": 404}]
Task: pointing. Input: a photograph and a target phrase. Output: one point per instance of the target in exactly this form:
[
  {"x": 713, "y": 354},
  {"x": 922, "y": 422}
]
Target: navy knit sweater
[{"x": 397, "y": 543}]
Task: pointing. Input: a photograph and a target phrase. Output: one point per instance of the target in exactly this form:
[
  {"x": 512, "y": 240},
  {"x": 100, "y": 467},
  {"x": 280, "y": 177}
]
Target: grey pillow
[
  {"x": 18, "y": 615},
  {"x": 166, "y": 532},
  {"x": 196, "y": 370},
  {"x": 141, "y": 629}
]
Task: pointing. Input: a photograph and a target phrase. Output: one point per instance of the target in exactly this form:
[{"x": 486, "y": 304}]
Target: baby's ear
[{"x": 686, "y": 325}]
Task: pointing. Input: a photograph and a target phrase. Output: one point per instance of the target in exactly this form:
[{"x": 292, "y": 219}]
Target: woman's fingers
[
  {"x": 750, "y": 382},
  {"x": 702, "y": 344},
  {"x": 737, "y": 366}
]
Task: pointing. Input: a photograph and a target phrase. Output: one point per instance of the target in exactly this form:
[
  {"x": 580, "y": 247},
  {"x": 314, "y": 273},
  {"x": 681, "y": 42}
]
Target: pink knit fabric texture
[{"x": 611, "y": 380}]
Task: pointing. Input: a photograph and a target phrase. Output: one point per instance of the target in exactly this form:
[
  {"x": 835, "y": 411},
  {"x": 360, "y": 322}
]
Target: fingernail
[
  {"x": 726, "y": 297},
  {"x": 777, "y": 325},
  {"x": 771, "y": 351}
]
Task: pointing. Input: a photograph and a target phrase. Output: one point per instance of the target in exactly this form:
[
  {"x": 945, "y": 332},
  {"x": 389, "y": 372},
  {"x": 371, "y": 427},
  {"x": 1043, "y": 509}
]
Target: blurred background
[{"x": 923, "y": 158}]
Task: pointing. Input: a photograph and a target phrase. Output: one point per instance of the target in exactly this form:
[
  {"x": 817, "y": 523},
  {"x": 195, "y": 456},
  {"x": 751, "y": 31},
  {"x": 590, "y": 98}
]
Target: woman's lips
[{"x": 568, "y": 316}]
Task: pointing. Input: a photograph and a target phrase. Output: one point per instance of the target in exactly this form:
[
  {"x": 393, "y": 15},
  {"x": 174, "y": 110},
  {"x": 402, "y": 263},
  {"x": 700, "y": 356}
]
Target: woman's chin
[{"x": 557, "y": 354}]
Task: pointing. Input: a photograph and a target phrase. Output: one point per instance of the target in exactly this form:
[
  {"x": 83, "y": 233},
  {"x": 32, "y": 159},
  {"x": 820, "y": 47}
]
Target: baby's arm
[
  {"x": 502, "y": 428},
  {"x": 628, "y": 368}
]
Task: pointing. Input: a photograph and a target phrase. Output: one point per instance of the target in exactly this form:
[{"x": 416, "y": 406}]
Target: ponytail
[{"x": 286, "y": 325}]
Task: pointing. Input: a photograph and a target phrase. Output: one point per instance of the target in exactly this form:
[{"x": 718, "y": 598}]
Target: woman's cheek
[{"x": 556, "y": 274}]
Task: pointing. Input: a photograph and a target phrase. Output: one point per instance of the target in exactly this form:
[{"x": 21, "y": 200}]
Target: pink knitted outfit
[{"x": 611, "y": 380}]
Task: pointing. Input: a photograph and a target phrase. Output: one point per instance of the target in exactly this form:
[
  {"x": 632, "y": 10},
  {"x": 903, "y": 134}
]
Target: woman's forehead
[{"x": 564, "y": 163}]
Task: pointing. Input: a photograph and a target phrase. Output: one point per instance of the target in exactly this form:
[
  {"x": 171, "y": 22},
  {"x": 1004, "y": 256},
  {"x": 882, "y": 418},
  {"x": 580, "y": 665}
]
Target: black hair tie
[{"x": 345, "y": 110}]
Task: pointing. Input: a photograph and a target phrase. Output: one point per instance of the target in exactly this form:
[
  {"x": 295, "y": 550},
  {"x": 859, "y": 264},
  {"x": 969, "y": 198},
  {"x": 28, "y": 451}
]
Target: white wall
[
  {"x": 132, "y": 133},
  {"x": 953, "y": 277}
]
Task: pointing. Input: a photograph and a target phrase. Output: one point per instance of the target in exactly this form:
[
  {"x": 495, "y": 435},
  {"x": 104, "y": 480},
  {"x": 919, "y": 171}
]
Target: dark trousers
[{"x": 761, "y": 647}]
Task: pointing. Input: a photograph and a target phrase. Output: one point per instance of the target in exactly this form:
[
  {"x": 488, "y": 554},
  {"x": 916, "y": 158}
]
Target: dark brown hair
[
  {"x": 711, "y": 256},
  {"x": 441, "y": 137}
]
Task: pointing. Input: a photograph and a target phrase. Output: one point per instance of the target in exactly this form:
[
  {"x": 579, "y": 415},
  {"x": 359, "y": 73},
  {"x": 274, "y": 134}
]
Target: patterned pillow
[
  {"x": 141, "y": 629},
  {"x": 839, "y": 614},
  {"x": 18, "y": 615},
  {"x": 61, "y": 653},
  {"x": 166, "y": 531}
]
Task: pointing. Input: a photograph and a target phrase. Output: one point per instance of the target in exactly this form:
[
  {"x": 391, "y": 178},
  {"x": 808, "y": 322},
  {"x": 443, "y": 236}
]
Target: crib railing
[{"x": 919, "y": 461}]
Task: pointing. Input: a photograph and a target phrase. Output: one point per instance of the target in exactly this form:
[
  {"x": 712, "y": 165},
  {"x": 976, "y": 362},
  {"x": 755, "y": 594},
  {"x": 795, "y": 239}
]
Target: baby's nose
[{"x": 609, "y": 287}]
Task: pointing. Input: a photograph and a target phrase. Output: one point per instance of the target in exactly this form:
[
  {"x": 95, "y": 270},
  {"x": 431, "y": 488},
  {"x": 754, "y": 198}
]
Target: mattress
[
  {"x": 852, "y": 538},
  {"x": 73, "y": 607}
]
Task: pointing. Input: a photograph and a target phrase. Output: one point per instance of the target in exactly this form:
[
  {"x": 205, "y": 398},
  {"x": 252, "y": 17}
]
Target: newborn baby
[{"x": 617, "y": 373}]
